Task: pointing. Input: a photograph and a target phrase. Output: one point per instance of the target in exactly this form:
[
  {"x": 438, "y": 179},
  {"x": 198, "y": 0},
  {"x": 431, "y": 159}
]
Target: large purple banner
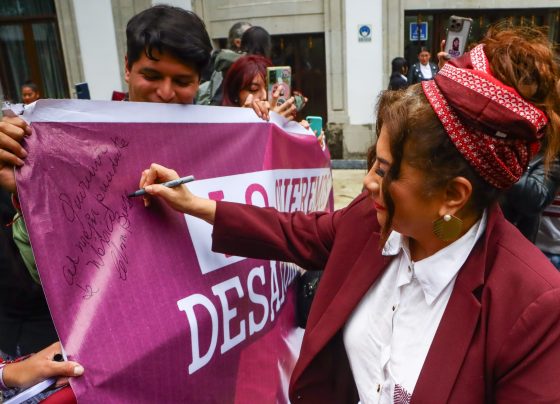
[{"x": 136, "y": 294}]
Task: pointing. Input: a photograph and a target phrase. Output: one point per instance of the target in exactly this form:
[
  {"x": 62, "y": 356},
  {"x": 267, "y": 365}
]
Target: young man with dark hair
[{"x": 167, "y": 50}]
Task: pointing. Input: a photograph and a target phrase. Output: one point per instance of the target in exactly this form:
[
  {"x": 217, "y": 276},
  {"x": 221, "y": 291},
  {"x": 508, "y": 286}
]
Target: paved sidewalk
[{"x": 347, "y": 185}]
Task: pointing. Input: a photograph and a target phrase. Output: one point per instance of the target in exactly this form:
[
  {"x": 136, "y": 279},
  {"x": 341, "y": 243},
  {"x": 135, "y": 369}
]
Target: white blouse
[
  {"x": 426, "y": 71},
  {"x": 388, "y": 335}
]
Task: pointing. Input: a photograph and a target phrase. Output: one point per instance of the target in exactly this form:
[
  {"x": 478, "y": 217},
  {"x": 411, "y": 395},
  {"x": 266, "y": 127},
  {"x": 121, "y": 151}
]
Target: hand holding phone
[
  {"x": 278, "y": 82},
  {"x": 315, "y": 124}
]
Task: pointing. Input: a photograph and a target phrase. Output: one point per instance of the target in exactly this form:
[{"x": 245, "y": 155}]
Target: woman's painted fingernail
[{"x": 78, "y": 370}]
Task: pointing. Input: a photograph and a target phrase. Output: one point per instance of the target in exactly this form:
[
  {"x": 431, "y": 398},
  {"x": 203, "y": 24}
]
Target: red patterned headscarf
[{"x": 495, "y": 129}]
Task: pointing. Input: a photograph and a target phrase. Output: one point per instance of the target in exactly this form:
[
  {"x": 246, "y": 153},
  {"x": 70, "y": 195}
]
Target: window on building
[{"x": 30, "y": 49}]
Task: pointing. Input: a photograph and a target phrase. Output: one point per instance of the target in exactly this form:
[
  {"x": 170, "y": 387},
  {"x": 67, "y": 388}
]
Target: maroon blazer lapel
[{"x": 362, "y": 275}]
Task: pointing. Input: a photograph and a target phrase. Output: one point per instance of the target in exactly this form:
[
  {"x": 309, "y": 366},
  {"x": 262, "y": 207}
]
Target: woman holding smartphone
[
  {"x": 428, "y": 295},
  {"x": 245, "y": 86}
]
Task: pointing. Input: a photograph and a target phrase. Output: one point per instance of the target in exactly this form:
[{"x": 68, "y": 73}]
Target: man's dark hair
[
  {"x": 169, "y": 30},
  {"x": 256, "y": 41}
]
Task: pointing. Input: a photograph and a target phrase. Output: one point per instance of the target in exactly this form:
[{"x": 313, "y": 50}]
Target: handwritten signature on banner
[{"x": 101, "y": 231}]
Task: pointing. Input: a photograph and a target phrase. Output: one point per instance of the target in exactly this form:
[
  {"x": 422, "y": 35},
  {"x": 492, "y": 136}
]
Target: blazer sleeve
[
  {"x": 265, "y": 233},
  {"x": 528, "y": 365}
]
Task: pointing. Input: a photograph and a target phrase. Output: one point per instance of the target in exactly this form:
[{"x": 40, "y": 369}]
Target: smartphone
[
  {"x": 315, "y": 124},
  {"x": 82, "y": 91},
  {"x": 279, "y": 76},
  {"x": 458, "y": 31}
]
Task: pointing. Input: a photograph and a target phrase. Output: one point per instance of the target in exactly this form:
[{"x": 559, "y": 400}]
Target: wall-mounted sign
[
  {"x": 419, "y": 31},
  {"x": 364, "y": 33}
]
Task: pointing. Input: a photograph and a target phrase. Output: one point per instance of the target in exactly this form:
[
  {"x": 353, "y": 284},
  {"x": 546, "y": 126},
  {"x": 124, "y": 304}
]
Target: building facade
[{"x": 339, "y": 50}]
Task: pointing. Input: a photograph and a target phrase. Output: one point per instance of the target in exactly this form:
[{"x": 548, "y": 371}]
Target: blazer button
[{"x": 299, "y": 397}]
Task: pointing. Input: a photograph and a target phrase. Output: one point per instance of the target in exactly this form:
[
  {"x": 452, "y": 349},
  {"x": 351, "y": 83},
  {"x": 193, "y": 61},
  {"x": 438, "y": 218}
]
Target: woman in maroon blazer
[{"x": 429, "y": 295}]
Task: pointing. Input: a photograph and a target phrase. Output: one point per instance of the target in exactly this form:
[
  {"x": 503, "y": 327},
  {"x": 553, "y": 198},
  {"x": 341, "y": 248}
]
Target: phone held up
[
  {"x": 458, "y": 32},
  {"x": 315, "y": 124},
  {"x": 279, "y": 77}
]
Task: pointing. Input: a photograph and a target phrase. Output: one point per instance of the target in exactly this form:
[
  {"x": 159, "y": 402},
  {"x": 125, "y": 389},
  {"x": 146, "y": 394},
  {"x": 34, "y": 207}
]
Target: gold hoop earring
[{"x": 447, "y": 227}]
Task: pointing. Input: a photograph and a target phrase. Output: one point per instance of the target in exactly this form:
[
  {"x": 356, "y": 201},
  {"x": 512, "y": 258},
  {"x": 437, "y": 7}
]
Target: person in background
[
  {"x": 247, "y": 76},
  {"x": 256, "y": 41},
  {"x": 422, "y": 70},
  {"x": 399, "y": 69},
  {"x": 25, "y": 322},
  {"x": 548, "y": 235},
  {"x": 211, "y": 88},
  {"x": 29, "y": 92},
  {"x": 245, "y": 84},
  {"x": 235, "y": 33},
  {"x": 523, "y": 204},
  {"x": 429, "y": 294},
  {"x": 533, "y": 206}
]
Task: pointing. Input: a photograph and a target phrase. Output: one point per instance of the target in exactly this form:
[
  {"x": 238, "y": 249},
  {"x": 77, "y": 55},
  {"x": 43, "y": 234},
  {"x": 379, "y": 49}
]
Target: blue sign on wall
[
  {"x": 418, "y": 31},
  {"x": 364, "y": 33}
]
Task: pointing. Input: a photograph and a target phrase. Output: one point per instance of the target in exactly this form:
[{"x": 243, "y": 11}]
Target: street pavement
[{"x": 347, "y": 185}]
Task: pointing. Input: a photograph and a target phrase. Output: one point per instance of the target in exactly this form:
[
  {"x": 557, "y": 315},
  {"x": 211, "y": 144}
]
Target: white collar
[
  {"x": 426, "y": 70},
  {"x": 435, "y": 272}
]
